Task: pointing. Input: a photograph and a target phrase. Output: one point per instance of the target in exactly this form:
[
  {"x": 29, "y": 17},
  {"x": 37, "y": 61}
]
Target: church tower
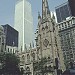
[
  {"x": 47, "y": 40},
  {"x": 45, "y": 9}
]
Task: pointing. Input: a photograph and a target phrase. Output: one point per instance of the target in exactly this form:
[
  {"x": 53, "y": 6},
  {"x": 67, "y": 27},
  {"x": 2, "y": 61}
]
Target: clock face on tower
[{"x": 45, "y": 42}]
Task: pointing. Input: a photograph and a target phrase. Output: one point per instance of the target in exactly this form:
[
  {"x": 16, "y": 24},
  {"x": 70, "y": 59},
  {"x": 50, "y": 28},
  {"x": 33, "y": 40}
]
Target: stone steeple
[
  {"x": 45, "y": 9},
  {"x": 39, "y": 17}
]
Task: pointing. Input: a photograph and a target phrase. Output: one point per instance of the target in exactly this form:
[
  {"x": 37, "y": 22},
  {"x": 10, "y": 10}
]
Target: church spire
[
  {"x": 39, "y": 17},
  {"x": 45, "y": 8}
]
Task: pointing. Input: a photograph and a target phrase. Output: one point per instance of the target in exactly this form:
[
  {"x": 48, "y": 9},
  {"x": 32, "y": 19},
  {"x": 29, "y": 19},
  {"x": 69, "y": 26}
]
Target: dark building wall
[
  {"x": 58, "y": 15},
  {"x": 72, "y": 6},
  {"x": 11, "y": 35},
  {"x": 62, "y": 12}
]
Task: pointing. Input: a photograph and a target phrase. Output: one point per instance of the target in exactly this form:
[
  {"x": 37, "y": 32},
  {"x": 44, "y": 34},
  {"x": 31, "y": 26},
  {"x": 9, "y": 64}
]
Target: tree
[
  {"x": 39, "y": 66},
  {"x": 10, "y": 64},
  {"x": 66, "y": 62}
]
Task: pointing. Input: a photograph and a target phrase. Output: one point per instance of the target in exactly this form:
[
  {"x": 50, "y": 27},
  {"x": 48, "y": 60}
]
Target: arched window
[
  {"x": 46, "y": 27},
  {"x": 49, "y": 58},
  {"x": 23, "y": 57},
  {"x": 8, "y": 49},
  {"x": 27, "y": 68},
  {"x": 45, "y": 68},
  {"x": 28, "y": 57},
  {"x": 33, "y": 56}
]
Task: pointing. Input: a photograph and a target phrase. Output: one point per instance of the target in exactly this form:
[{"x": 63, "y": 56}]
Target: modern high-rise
[
  {"x": 11, "y": 39},
  {"x": 24, "y": 23},
  {"x": 65, "y": 10},
  {"x": 62, "y": 12},
  {"x": 72, "y": 6}
]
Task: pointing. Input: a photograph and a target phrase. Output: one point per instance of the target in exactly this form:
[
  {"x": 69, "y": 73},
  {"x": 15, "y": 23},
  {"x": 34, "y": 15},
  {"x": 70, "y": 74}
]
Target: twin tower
[{"x": 24, "y": 24}]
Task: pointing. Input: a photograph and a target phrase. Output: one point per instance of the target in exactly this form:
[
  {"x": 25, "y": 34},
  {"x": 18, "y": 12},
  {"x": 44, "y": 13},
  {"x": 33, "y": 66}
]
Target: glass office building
[
  {"x": 72, "y": 6},
  {"x": 24, "y": 23},
  {"x": 11, "y": 39},
  {"x": 65, "y": 10},
  {"x": 62, "y": 12},
  {"x": 11, "y": 35}
]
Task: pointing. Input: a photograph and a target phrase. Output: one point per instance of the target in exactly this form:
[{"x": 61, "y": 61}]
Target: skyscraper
[
  {"x": 11, "y": 39},
  {"x": 72, "y": 7},
  {"x": 24, "y": 23},
  {"x": 65, "y": 10}
]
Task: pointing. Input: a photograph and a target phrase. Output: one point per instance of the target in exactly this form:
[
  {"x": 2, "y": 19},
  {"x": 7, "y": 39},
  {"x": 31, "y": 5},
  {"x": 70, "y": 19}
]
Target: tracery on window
[
  {"x": 23, "y": 57},
  {"x": 28, "y": 57}
]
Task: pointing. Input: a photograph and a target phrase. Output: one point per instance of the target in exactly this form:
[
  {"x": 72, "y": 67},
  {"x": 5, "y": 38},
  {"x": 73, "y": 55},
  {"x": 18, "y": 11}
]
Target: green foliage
[
  {"x": 2, "y": 58},
  {"x": 11, "y": 59},
  {"x": 9, "y": 64},
  {"x": 40, "y": 65},
  {"x": 67, "y": 64}
]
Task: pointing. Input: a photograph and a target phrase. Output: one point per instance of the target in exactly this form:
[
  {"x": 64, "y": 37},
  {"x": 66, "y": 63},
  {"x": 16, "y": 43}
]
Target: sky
[{"x": 7, "y": 10}]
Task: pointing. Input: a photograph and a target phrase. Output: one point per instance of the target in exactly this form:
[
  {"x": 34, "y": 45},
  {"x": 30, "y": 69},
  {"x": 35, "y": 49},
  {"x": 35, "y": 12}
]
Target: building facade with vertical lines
[
  {"x": 24, "y": 23},
  {"x": 65, "y": 10},
  {"x": 67, "y": 35},
  {"x": 11, "y": 39}
]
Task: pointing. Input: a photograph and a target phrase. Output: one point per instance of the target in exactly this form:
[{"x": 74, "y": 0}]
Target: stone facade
[
  {"x": 67, "y": 34},
  {"x": 2, "y": 39},
  {"x": 27, "y": 59},
  {"x": 48, "y": 40}
]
